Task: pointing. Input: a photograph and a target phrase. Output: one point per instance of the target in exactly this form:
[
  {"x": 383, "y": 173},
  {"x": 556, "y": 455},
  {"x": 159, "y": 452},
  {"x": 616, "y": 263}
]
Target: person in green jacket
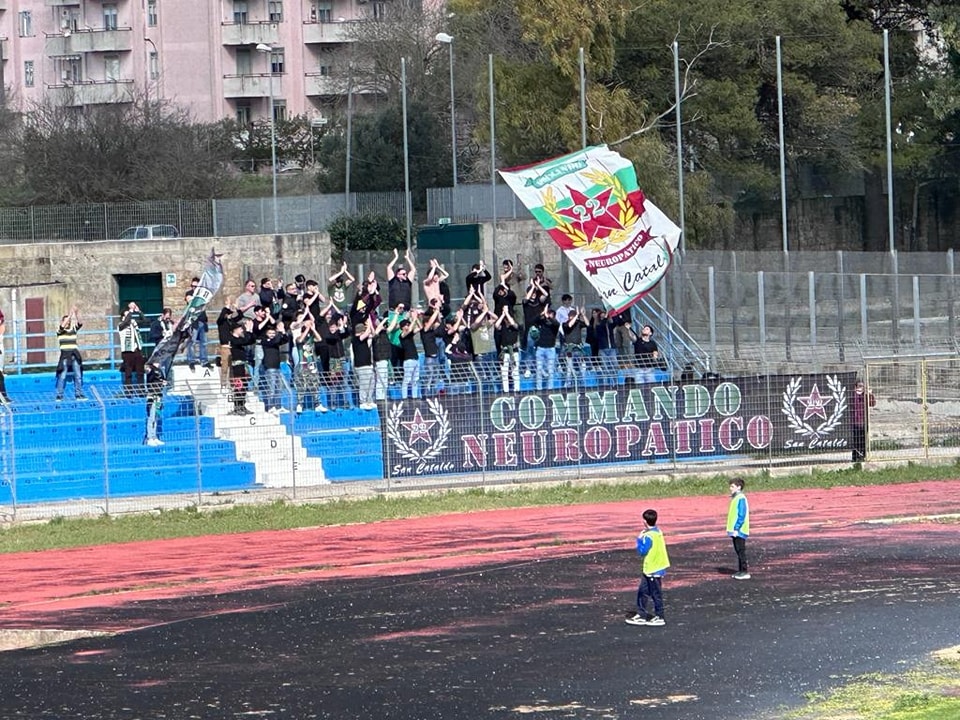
[
  {"x": 653, "y": 549},
  {"x": 738, "y": 526}
]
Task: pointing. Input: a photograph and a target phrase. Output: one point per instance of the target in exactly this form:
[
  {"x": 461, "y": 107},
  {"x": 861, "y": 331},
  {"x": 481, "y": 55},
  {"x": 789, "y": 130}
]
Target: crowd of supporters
[{"x": 345, "y": 345}]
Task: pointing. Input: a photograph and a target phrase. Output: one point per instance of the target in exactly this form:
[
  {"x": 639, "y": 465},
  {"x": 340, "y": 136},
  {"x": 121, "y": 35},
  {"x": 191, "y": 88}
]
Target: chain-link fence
[
  {"x": 192, "y": 218},
  {"x": 917, "y": 409}
]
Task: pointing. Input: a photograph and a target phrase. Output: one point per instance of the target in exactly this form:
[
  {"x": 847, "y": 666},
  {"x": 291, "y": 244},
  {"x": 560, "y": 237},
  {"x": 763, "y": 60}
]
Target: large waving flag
[
  {"x": 210, "y": 281},
  {"x": 591, "y": 205}
]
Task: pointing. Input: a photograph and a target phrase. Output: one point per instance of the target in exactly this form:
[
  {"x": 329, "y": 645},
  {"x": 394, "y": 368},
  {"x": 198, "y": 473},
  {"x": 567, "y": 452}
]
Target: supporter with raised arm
[
  {"x": 477, "y": 278},
  {"x": 228, "y": 317},
  {"x": 362, "y": 352},
  {"x": 337, "y": 285},
  {"x": 400, "y": 281},
  {"x": 70, "y": 359},
  {"x": 509, "y": 350},
  {"x": 484, "y": 348},
  {"x": 241, "y": 336},
  {"x": 334, "y": 331},
  {"x": 382, "y": 352},
  {"x": 408, "y": 326},
  {"x": 306, "y": 377},
  {"x": 274, "y": 340},
  {"x": 131, "y": 348},
  {"x": 429, "y": 334},
  {"x": 431, "y": 283},
  {"x": 547, "y": 348},
  {"x": 574, "y": 361},
  {"x": 534, "y": 302},
  {"x": 197, "y": 332}
]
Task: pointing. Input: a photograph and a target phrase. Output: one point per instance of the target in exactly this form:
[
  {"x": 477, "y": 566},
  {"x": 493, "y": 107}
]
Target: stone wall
[{"x": 85, "y": 272}]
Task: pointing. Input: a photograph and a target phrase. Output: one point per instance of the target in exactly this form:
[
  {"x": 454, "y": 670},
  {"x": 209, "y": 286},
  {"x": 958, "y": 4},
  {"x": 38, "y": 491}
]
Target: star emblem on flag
[
  {"x": 419, "y": 428},
  {"x": 815, "y": 404},
  {"x": 592, "y": 215}
]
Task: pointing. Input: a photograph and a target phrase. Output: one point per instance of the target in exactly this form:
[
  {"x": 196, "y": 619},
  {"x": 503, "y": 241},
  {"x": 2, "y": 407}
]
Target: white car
[{"x": 148, "y": 232}]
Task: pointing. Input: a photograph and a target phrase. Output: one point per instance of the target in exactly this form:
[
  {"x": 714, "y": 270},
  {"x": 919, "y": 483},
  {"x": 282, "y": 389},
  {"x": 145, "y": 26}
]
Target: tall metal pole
[
  {"x": 453, "y": 119},
  {"x": 583, "y": 101},
  {"x": 406, "y": 152},
  {"x": 268, "y": 51},
  {"x": 493, "y": 152},
  {"x": 783, "y": 150},
  {"x": 886, "y": 98},
  {"x": 676, "y": 92},
  {"x": 346, "y": 180}
]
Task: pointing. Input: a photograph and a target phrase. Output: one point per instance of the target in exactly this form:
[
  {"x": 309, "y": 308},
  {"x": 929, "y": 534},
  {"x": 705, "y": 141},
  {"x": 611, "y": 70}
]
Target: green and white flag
[{"x": 591, "y": 205}]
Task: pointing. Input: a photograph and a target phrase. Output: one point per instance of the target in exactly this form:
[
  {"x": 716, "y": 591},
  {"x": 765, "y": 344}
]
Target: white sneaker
[
  {"x": 636, "y": 619},
  {"x": 154, "y": 442},
  {"x": 282, "y": 411},
  {"x": 656, "y": 621},
  {"x": 299, "y": 408},
  {"x": 273, "y": 411},
  {"x": 321, "y": 408}
]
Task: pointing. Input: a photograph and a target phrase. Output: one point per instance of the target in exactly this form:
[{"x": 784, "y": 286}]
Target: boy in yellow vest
[
  {"x": 653, "y": 549},
  {"x": 738, "y": 526}
]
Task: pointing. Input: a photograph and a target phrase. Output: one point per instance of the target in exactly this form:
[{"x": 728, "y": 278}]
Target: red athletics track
[{"x": 85, "y": 588}]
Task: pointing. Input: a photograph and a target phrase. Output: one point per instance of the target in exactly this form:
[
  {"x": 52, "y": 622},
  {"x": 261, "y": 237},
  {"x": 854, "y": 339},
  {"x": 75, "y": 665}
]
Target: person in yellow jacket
[
  {"x": 653, "y": 549},
  {"x": 738, "y": 526}
]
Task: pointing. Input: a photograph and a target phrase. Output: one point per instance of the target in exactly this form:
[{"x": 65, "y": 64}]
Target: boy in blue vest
[
  {"x": 738, "y": 526},
  {"x": 653, "y": 549}
]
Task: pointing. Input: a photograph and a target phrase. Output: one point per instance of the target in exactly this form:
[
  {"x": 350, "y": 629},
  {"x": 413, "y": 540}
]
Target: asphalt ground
[{"x": 501, "y": 614}]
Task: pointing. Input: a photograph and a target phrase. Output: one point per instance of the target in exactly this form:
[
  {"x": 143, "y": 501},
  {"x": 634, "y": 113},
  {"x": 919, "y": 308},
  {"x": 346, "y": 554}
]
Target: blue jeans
[
  {"x": 650, "y": 591},
  {"x": 431, "y": 383},
  {"x": 69, "y": 361},
  {"x": 610, "y": 368},
  {"x": 411, "y": 379},
  {"x": 273, "y": 382},
  {"x": 197, "y": 345},
  {"x": 546, "y": 366}
]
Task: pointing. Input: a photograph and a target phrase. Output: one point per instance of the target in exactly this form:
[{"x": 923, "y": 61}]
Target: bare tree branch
[{"x": 687, "y": 88}]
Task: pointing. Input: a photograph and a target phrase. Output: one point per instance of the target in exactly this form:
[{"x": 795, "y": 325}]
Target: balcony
[
  {"x": 317, "y": 84},
  {"x": 87, "y": 40},
  {"x": 252, "y": 86},
  {"x": 3, "y": 4},
  {"x": 89, "y": 92},
  {"x": 62, "y": 3},
  {"x": 332, "y": 32},
  {"x": 250, "y": 33}
]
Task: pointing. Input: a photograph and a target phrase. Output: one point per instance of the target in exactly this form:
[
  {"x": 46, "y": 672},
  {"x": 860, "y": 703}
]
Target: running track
[{"x": 537, "y": 561}]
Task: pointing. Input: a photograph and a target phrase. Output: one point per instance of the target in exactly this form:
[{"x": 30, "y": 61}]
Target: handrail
[{"x": 681, "y": 349}]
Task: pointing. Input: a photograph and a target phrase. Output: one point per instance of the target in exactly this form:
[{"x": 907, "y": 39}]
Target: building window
[
  {"x": 379, "y": 10},
  {"x": 111, "y": 68},
  {"x": 326, "y": 70},
  {"x": 244, "y": 61},
  {"x": 275, "y": 8},
  {"x": 153, "y": 62},
  {"x": 240, "y": 14},
  {"x": 276, "y": 61},
  {"x": 324, "y": 11},
  {"x": 244, "y": 116},
  {"x": 151, "y": 13},
  {"x": 28, "y": 73},
  {"x": 279, "y": 110},
  {"x": 109, "y": 17},
  {"x": 67, "y": 69},
  {"x": 26, "y": 24}
]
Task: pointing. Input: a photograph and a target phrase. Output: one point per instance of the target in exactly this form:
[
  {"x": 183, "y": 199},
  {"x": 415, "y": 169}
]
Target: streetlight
[
  {"x": 448, "y": 40},
  {"x": 267, "y": 50}
]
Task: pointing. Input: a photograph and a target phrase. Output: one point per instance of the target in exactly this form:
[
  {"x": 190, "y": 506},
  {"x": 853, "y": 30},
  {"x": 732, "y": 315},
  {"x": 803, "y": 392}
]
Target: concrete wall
[{"x": 84, "y": 274}]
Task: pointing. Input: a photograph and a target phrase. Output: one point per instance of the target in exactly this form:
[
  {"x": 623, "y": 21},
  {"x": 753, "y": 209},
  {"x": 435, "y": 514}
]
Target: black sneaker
[{"x": 193, "y": 366}]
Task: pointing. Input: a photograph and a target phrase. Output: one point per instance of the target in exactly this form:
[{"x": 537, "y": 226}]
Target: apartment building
[{"x": 202, "y": 54}]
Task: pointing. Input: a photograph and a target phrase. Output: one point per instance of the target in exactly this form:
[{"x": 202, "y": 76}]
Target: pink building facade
[{"x": 201, "y": 54}]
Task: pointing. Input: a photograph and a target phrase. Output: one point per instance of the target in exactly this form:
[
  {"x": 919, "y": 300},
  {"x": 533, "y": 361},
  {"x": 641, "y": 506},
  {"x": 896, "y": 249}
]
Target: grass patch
[
  {"x": 280, "y": 515},
  {"x": 928, "y": 692}
]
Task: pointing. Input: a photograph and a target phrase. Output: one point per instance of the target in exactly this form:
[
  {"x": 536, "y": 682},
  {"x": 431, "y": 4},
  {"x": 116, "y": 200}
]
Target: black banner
[{"x": 771, "y": 415}]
